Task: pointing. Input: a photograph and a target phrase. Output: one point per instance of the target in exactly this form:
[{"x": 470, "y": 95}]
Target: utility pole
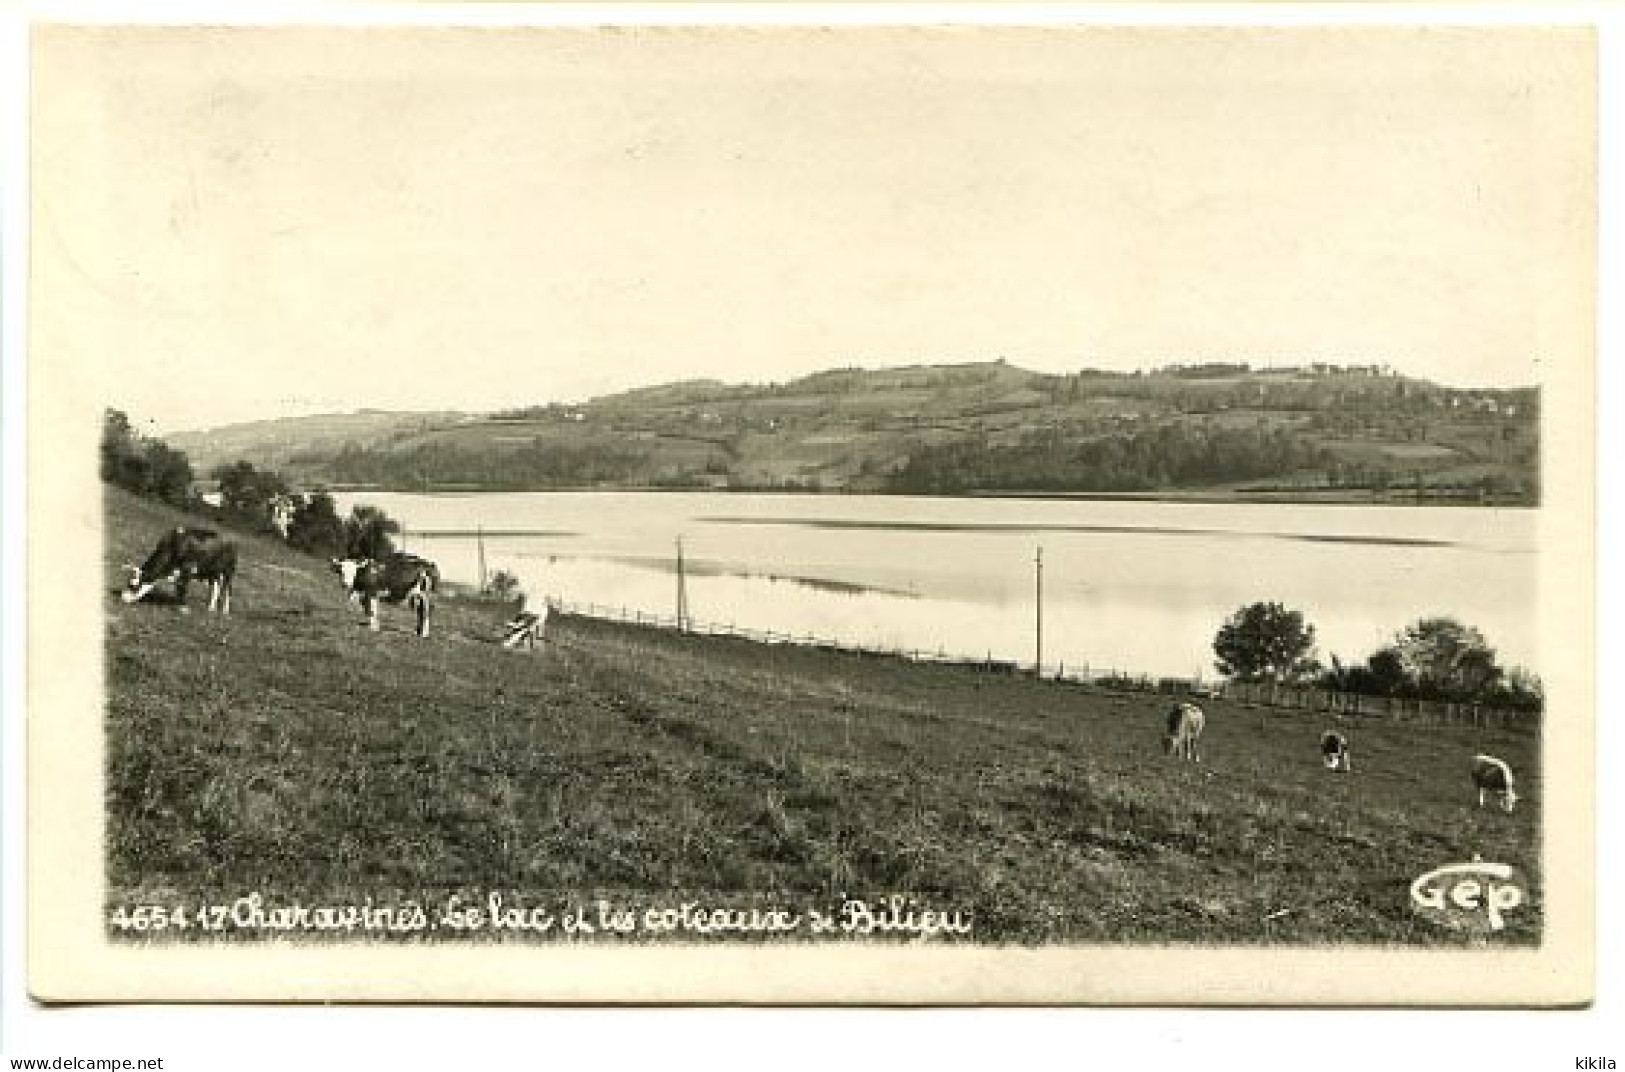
[
  {"x": 682, "y": 591},
  {"x": 1038, "y": 609},
  {"x": 479, "y": 537}
]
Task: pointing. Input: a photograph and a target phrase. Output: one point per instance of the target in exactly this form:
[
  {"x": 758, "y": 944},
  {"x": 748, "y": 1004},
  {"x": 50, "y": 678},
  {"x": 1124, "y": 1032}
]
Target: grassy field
[{"x": 288, "y": 751}]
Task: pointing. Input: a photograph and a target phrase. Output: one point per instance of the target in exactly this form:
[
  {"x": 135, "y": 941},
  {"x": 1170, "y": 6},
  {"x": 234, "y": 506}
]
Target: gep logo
[{"x": 1471, "y": 897}]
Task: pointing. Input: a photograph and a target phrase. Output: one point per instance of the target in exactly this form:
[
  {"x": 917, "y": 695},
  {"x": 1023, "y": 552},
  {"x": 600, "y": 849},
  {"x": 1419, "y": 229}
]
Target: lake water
[{"x": 1134, "y": 586}]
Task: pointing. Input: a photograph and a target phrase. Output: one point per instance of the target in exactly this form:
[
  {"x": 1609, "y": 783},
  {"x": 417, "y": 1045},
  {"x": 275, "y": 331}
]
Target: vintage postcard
[{"x": 820, "y": 513}]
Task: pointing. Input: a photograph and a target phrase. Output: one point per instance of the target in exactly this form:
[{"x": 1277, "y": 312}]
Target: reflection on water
[
  {"x": 1142, "y": 530},
  {"x": 703, "y": 568},
  {"x": 1135, "y": 586}
]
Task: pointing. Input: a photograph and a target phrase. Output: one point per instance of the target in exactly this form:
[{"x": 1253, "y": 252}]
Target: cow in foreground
[
  {"x": 1334, "y": 752},
  {"x": 182, "y": 554},
  {"x": 402, "y": 560},
  {"x": 397, "y": 578},
  {"x": 394, "y": 562},
  {"x": 1493, "y": 777},
  {"x": 1184, "y": 732}
]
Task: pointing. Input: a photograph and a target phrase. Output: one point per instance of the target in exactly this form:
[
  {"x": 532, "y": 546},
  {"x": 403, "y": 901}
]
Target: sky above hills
[{"x": 238, "y": 224}]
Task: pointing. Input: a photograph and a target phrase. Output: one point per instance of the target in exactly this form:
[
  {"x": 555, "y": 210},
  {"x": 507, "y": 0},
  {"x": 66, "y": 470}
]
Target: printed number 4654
[{"x": 148, "y": 918}]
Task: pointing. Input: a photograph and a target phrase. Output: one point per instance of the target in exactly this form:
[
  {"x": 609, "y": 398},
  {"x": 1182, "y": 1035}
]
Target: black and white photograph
[{"x": 877, "y": 514}]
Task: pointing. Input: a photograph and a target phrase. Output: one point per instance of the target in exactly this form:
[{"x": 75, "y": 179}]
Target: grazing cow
[
  {"x": 1492, "y": 775},
  {"x": 281, "y": 509},
  {"x": 396, "y": 578},
  {"x": 182, "y": 554},
  {"x": 1334, "y": 752},
  {"x": 395, "y": 560},
  {"x": 1185, "y": 724},
  {"x": 431, "y": 572},
  {"x": 527, "y": 626}
]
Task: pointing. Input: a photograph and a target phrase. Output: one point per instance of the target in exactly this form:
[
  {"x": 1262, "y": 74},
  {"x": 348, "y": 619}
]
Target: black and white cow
[
  {"x": 430, "y": 571},
  {"x": 395, "y": 561},
  {"x": 1334, "y": 752},
  {"x": 396, "y": 578},
  {"x": 1184, "y": 732},
  {"x": 1493, "y": 776},
  {"x": 182, "y": 554}
]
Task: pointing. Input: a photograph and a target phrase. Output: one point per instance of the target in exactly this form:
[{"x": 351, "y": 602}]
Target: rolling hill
[{"x": 1314, "y": 432}]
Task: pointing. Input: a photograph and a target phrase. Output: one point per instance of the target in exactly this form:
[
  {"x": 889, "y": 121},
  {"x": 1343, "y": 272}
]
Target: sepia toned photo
[{"x": 833, "y": 514}]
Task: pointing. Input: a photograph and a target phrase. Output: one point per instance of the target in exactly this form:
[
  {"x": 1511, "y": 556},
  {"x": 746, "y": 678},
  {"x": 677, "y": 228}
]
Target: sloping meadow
[{"x": 284, "y": 770}]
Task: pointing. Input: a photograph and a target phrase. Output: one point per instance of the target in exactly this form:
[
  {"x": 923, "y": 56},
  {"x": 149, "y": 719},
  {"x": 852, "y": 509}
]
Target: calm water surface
[{"x": 1136, "y": 586}]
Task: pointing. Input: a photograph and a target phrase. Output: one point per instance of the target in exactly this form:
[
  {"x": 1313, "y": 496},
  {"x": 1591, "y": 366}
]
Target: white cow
[
  {"x": 281, "y": 510},
  {"x": 1493, "y": 776},
  {"x": 1184, "y": 732}
]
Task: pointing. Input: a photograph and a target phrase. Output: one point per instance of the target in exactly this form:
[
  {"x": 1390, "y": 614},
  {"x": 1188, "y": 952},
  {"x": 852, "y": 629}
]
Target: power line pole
[
  {"x": 479, "y": 537},
  {"x": 682, "y": 591},
  {"x": 1038, "y": 608}
]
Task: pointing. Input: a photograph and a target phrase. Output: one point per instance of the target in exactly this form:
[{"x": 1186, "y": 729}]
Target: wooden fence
[
  {"x": 1285, "y": 697},
  {"x": 767, "y": 636},
  {"x": 1388, "y": 707}
]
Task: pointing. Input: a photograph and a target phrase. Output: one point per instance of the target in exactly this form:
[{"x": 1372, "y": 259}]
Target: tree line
[
  {"x": 1433, "y": 658},
  {"x": 536, "y": 464},
  {"x": 144, "y": 464},
  {"x": 1144, "y": 460},
  {"x": 251, "y": 499}
]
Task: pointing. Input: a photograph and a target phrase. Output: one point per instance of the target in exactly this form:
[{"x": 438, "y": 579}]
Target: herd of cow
[
  {"x": 1182, "y": 739},
  {"x": 183, "y": 554},
  {"x": 187, "y": 554}
]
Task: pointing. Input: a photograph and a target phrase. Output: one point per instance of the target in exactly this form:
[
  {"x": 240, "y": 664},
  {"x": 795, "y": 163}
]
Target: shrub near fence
[
  {"x": 1390, "y": 707},
  {"x": 1263, "y": 695}
]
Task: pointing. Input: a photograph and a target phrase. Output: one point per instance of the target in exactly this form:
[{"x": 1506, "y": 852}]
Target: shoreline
[{"x": 1262, "y": 498}]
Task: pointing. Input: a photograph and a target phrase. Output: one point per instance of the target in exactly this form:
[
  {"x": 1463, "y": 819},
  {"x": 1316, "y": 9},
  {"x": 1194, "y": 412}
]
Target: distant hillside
[
  {"x": 275, "y": 442},
  {"x": 1314, "y": 432}
]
